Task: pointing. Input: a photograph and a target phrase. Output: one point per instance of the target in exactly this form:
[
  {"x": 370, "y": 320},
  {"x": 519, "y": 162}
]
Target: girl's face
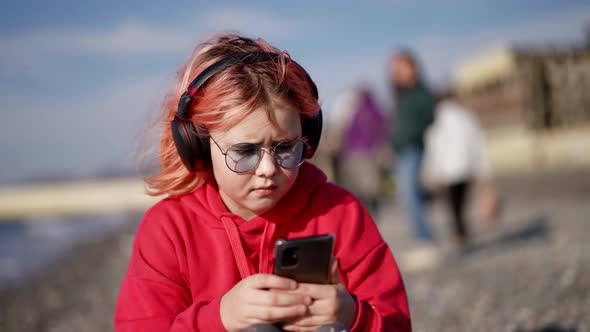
[{"x": 257, "y": 191}]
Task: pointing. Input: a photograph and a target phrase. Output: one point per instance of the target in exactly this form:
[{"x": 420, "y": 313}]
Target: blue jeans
[{"x": 410, "y": 192}]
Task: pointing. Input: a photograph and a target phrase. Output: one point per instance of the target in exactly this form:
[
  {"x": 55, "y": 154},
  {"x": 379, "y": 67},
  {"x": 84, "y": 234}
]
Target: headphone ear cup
[
  {"x": 193, "y": 151},
  {"x": 202, "y": 149},
  {"x": 312, "y": 129}
]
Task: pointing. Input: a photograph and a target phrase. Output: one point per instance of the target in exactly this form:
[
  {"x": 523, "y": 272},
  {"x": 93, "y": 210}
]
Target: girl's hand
[
  {"x": 262, "y": 298},
  {"x": 331, "y": 304}
]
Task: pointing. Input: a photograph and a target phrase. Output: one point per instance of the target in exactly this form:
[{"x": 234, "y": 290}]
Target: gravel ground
[
  {"x": 529, "y": 273},
  {"x": 77, "y": 293}
]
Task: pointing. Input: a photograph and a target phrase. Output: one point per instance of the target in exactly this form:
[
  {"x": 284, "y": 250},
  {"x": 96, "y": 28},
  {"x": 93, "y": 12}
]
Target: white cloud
[
  {"x": 135, "y": 38},
  {"x": 256, "y": 22},
  {"x": 44, "y": 53},
  {"x": 132, "y": 37},
  {"x": 83, "y": 133},
  {"x": 32, "y": 52},
  {"x": 127, "y": 38}
]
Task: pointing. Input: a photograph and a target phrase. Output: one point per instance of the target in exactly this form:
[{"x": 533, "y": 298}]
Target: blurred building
[
  {"x": 533, "y": 102},
  {"x": 533, "y": 88}
]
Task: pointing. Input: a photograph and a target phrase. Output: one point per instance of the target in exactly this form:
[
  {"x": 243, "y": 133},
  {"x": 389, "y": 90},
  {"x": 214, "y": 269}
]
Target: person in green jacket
[{"x": 414, "y": 112}]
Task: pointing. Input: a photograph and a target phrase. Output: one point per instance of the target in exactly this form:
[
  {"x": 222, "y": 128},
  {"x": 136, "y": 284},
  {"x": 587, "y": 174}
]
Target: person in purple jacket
[{"x": 363, "y": 137}]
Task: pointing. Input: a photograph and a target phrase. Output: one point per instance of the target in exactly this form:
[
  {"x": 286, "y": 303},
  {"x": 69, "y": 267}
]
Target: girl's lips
[
  {"x": 266, "y": 190},
  {"x": 266, "y": 187}
]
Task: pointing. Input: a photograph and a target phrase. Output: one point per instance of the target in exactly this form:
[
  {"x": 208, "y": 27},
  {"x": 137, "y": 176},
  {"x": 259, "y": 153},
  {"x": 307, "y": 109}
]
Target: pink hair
[{"x": 226, "y": 99}]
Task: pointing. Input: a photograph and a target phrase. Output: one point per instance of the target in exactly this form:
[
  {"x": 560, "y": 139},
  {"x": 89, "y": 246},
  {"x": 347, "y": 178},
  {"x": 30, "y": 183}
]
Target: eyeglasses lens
[{"x": 244, "y": 157}]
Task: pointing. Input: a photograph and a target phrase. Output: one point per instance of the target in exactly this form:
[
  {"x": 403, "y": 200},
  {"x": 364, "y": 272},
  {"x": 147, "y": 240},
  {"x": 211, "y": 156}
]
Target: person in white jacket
[{"x": 456, "y": 159}]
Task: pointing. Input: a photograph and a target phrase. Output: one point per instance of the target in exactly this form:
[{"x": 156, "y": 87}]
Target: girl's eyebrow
[
  {"x": 293, "y": 138},
  {"x": 259, "y": 142}
]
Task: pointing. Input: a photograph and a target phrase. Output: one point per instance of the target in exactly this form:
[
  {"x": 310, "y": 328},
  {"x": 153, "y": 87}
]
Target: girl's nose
[{"x": 267, "y": 165}]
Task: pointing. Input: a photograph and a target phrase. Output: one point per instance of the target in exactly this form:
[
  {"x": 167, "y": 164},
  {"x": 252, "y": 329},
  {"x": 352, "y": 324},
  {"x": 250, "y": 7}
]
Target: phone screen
[{"x": 305, "y": 259}]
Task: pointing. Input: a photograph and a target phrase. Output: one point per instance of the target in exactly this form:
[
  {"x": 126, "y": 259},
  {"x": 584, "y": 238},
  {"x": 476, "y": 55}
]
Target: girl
[{"x": 238, "y": 128}]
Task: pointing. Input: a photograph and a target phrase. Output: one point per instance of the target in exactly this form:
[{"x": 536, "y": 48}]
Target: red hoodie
[{"x": 189, "y": 251}]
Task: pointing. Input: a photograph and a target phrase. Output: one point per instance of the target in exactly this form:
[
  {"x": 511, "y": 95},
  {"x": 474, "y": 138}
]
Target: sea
[{"x": 28, "y": 246}]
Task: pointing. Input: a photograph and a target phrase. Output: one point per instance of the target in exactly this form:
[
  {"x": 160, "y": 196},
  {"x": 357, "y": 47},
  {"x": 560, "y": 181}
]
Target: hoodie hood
[
  {"x": 255, "y": 237},
  {"x": 309, "y": 178}
]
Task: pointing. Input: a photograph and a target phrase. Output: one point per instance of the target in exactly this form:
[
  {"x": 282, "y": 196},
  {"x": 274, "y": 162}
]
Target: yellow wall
[{"x": 514, "y": 150}]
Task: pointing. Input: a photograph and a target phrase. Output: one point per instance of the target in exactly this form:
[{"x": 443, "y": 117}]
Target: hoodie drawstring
[
  {"x": 244, "y": 265},
  {"x": 265, "y": 245}
]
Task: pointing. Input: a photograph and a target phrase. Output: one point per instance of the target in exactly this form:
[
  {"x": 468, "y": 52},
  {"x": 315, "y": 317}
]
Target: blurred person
[
  {"x": 339, "y": 119},
  {"x": 238, "y": 127},
  {"x": 456, "y": 162},
  {"x": 362, "y": 132},
  {"x": 414, "y": 105}
]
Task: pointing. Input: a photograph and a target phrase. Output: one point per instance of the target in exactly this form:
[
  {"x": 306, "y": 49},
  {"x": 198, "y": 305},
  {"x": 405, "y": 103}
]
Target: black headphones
[{"x": 192, "y": 141}]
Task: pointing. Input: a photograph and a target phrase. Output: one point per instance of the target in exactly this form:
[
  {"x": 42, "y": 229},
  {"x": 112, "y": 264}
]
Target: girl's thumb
[{"x": 334, "y": 277}]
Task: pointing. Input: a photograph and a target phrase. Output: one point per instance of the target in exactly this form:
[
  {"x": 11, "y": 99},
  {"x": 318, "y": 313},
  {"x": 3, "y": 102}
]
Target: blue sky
[{"x": 79, "y": 80}]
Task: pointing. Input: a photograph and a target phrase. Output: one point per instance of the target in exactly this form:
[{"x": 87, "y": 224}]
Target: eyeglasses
[{"x": 244, "y": 157}]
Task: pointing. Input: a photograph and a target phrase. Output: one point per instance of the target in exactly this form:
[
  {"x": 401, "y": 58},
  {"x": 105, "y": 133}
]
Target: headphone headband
[{"x": 226, "y": 62}]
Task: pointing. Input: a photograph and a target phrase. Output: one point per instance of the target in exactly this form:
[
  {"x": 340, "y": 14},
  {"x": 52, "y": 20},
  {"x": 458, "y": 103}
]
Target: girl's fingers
[
  {"x": 273, "y": 314},
  {"x": 298, "y": 328},
  {"x": 271, "y": 290},
  {"x": 278, "y": 298},
  {"x": 268, "y": 281},
  {"x": 334, "y": 277},
  {"x": 306, "y": 323},
  {"x": 317, "y": 291}
]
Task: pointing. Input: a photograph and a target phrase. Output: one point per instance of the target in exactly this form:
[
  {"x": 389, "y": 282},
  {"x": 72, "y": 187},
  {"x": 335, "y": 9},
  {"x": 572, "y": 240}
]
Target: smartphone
[{"x": 305, "y": 259}]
